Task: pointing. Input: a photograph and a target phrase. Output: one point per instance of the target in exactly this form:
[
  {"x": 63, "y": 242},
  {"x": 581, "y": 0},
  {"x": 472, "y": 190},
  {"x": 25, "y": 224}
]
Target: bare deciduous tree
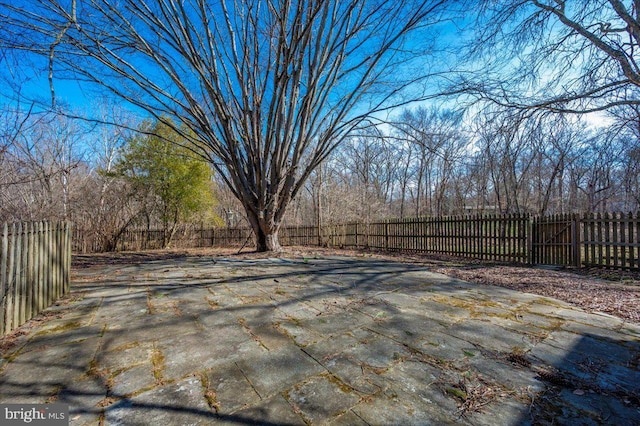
[
  {"x": 268, "y": 88},
  {"x": 559, "y": 55}
]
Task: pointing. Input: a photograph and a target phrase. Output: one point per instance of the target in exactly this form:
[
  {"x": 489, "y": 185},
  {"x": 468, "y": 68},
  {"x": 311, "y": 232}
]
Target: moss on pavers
[
  {"x": 266, "y": 334},
  {"x": 445, "y": 347},
  {"x": 520, "y": 381},
  {"x": 66, "y": 334},
  {"x": 438, "y": 310},
  {"x": 357, "y": 376}
]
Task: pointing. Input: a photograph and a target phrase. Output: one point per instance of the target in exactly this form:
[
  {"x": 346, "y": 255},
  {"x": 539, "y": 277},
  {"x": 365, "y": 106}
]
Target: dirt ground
[{"x": 612, "y": 292}]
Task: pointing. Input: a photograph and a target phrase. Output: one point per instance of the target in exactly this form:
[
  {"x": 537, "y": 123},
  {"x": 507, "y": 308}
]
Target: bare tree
[
  {"x": 559, "y": 55},
  {"x": 439, "y": 144},
  {"x": 37, "y": 180},
  {"x": 267, "y": 88}
]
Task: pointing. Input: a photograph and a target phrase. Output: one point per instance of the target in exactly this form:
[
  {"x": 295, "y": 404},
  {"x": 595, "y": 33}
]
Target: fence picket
[
  {"x": 27, "y": 282},
  {"x": 4, "y": 282}
]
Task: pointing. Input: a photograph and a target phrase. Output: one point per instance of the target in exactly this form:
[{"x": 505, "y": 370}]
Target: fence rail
[
  {"x": 35, "y": 264},
  {"x": 603, "y": 240}
]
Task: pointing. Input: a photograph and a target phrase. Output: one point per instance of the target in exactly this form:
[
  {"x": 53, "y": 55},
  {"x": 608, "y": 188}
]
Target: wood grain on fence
[{"x": 35, "y": 264}]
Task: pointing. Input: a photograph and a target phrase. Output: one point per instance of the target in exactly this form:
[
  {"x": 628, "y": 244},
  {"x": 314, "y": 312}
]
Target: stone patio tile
[
  {"x": 273, "y": 411},
  {"x": 335, "y": 323},
  {"x": 348, "y": 419},
  {"x": 123, "y": 357},
  {"x": 379, "y": 352},
  {"x": 275, "y": 371},
  {"x": 484, "y": 334},
  {"x": 185, "y": 354},
  {"x": 180, "y": 403},
  {"x": 412, "y": 330},
  {"x": 358, "y": 376},
  {"x": 230, "y": 390},
  {"x": 298, "y": 334},
  {"x": 396, "y": 407},
  {"x": 321, "y": 398},
  {"x": 132, "y": 380}
]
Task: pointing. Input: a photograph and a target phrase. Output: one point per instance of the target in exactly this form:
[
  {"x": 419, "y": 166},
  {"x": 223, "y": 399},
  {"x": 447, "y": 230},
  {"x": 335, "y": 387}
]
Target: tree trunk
[
  {"x": 266, "y": 232},
  {"x": 267, "y": 241}
]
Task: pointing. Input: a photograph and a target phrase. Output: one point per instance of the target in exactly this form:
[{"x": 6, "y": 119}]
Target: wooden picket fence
[
  {"x": 610, "y": 240},
  {"x": 499, "y": 238},
  {"x": 35, "y": 265},
  {"x": 601, "y": 240}
]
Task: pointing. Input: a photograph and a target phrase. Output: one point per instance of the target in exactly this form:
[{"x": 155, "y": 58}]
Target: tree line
[
  {"x": 424, "y": 162},
  {"x": 314, "y": 110}
]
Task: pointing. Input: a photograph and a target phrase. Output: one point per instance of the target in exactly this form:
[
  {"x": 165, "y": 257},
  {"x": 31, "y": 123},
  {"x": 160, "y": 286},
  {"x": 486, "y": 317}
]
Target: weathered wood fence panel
[
  {"x": 499, "y": 238},
  {"x": 611, "y": 240},
  {"x": 35, "y": 265},
  {"x": 602, "y": 240}
]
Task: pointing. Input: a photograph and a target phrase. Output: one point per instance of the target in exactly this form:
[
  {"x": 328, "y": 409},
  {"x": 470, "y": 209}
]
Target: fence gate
[{"x": 555, "y": 240}]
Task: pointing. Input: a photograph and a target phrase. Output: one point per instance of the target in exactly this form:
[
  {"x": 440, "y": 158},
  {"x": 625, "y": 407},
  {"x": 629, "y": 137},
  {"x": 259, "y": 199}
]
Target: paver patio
[{"x": 332, "y": 340}]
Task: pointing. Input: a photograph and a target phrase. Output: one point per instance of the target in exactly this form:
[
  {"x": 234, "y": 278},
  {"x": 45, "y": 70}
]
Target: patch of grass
[
  {"x": 126, "y": 346},
  {"x": 209, "y": 393},
  {"x": 103, "y": 375},
  {"x": 345, "y": 388},
  {"x": 468, "y": 353},
  {"x": 62, "y": 327},
  {"x": 157, "y": 360},
  {"x": 150, "y": 307},
  {"x": 456, "y": 393},
  {"x": 377, "y": 370},
  {"x": 254, "y": 336}
]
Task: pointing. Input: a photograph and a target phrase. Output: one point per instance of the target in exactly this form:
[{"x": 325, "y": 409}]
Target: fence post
[
  {"x": 575, "y": 240},
  {"x": 4, "y": 282},
  {"x": 67, "y": 258},
  {"x": 29, "y": 282},
  {"x": 356, "y": 236},
  {"x": 386, "y": 234},
  {"x": 530, "y": 231}
]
